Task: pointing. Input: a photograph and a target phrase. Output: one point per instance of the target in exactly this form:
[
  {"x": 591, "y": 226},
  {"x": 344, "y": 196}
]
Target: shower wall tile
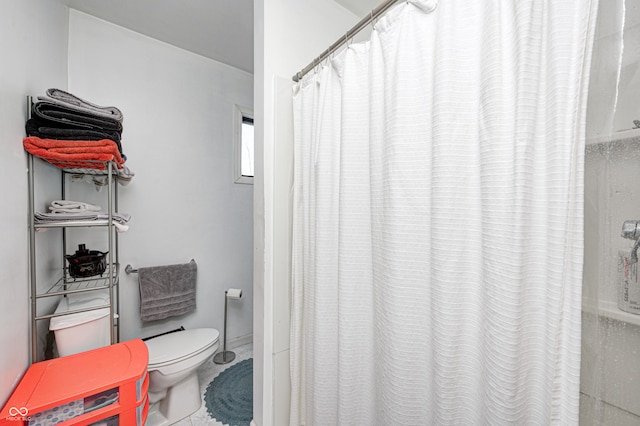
[
  {"x": 610, "y": 370},
  {"x": 612, "y": 195},
  {"x": 603, "y": 115},
  {"x": 602, "y": 84},
  {"x": 594, "y": 201},
  {"x": 589, "y": 374},
  {"x": 610, "y": 349},
  {"x": 621, "y": 369},
  {"x": 618, "y": 417},
  {"x": 609, "y": 18},
  {"x": 632, "y": 14},
  {"x": 629, "y": 89},
  {"x": 593, "y": 412},
  {"x": 631, "y": 45},
  {"x": 629, "y": 98}
]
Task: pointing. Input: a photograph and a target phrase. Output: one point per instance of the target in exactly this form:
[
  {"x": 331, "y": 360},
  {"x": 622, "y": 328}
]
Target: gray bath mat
[{"x": 229, "y": 397}]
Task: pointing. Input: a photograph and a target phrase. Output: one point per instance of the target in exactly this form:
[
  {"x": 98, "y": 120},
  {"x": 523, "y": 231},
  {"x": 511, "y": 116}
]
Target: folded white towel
[
  {"x": 62, "y": 216},
  {"x": 69, "y": 206},
  {"x": 39, "y": 217}
]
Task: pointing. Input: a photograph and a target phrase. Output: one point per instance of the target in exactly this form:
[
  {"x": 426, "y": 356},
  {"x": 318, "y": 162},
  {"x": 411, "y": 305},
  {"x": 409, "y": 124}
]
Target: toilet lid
[{"x": 173, "y": 346}]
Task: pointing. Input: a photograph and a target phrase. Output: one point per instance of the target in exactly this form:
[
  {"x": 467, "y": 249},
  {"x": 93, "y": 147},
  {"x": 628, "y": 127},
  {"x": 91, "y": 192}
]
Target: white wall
[
  {"x": 288, "y": 35},
  {"x": 33, "y": 48},
  {"x": 178, "y": 137}
]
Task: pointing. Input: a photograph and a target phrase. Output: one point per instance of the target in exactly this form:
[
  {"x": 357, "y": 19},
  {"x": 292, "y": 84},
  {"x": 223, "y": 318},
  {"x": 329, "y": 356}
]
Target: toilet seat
[{"x": 174, "y": 347}]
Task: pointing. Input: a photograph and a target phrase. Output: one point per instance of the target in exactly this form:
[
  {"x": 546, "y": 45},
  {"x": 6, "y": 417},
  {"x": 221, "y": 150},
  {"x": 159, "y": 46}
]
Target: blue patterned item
[
  {"x": 229, "y": 397},
  {"x": 58, "y": 414}
]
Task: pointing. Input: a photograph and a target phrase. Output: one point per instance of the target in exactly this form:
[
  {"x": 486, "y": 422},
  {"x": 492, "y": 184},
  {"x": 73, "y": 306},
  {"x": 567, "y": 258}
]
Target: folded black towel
[
  {"x": 46, "y": 129},
  {"x": 74, "y": 119}
]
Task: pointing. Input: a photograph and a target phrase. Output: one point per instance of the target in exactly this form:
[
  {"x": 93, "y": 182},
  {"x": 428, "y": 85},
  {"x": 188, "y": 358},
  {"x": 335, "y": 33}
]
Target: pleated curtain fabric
[{"x": 438, "y": 219}]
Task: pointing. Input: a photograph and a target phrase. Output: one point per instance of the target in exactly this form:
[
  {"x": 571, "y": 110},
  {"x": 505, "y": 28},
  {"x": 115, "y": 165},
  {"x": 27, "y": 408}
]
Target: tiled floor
[{"x": 206, "y": 374}]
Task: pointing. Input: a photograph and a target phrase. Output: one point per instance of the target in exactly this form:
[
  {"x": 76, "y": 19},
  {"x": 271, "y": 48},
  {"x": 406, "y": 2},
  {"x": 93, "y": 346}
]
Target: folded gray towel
[
  {"x": 71, "y": 101},
  {"x": 167, "y": 291}
]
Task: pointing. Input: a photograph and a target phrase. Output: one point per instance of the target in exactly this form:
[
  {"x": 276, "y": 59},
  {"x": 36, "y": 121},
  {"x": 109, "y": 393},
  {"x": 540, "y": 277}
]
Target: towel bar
[{"x": 129, "y": 269}]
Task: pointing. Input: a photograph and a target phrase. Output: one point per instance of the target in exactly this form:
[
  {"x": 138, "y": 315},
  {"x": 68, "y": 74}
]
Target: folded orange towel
[{"x": 74, "y": 154}]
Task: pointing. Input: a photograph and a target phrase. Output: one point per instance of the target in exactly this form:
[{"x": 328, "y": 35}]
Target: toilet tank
[{"x": 81, "y": 331}]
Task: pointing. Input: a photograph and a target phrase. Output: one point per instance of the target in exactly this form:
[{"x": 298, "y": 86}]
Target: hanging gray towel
[{"x": 167, "y": 291}]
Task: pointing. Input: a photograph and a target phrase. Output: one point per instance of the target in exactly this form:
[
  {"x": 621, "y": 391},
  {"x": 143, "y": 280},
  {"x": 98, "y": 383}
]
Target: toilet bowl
[{"x": 174, "y": 391}]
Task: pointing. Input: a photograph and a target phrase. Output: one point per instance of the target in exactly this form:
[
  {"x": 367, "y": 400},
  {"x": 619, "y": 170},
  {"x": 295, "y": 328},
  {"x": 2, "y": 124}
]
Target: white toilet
[{"x": 174, "y": 391}]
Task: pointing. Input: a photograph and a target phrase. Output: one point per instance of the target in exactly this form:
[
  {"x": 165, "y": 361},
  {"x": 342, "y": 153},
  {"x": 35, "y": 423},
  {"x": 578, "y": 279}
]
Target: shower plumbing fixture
[
  {"x": 631, "y": 231},
  {"x": 637, "y": 124}
]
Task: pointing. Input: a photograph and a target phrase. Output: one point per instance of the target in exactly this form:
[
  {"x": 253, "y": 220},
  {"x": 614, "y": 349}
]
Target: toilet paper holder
[{"x": 226, "y": 356}]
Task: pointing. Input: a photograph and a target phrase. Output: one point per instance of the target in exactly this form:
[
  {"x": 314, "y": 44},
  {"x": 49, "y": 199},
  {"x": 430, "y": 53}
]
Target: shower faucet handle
[{"x": 631, "y": 229}]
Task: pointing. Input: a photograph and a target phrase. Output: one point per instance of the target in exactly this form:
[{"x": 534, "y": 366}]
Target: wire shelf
[
  {"x": 67, "y": 284},
  {"x": 72, "y": 223},
  {"x": 72, "y": 311}
]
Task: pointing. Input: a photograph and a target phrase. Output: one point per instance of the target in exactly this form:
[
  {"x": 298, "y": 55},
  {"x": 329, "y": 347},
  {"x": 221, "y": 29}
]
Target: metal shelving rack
[{"x": 66, "y": 284}]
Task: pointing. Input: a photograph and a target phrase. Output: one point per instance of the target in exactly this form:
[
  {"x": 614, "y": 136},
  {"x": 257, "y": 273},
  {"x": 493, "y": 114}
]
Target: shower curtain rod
[{"x": 344, "y": 39}]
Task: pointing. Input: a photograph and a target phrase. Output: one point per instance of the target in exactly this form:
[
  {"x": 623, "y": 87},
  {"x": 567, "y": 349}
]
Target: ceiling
[
  {"x": 360, "y": 7},
  {"x": 218, "y": 29}
]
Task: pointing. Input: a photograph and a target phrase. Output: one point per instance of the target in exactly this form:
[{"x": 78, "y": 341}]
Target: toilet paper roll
[{"x": 234, "y": 293}]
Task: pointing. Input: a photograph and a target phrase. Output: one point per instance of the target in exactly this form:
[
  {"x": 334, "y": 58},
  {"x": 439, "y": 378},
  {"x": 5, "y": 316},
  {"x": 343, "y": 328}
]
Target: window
[{"x": 243, "y": 140}]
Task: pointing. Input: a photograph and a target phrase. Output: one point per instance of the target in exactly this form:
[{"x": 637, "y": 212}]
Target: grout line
[{"x": 602, "y": 401}]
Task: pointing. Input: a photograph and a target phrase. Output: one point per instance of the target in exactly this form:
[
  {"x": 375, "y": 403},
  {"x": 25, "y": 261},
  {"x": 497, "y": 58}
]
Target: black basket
[{"x": 87, "y": 263}]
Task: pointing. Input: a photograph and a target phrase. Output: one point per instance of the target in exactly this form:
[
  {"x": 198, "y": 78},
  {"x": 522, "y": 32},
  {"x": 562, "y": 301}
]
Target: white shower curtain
[{"x": 437, "y": 237}]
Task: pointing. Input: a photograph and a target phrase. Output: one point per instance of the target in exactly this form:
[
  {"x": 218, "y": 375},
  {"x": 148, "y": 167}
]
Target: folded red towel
[{"x": 74, "y": 154}]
